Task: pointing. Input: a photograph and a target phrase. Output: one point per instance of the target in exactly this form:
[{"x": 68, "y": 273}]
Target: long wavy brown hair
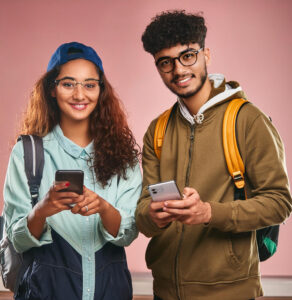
[{"x": 115, "y": 148}]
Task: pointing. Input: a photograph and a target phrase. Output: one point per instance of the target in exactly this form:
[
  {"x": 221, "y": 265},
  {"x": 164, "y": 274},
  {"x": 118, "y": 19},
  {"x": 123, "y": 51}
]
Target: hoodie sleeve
[
  {"x": 268, "y": 195},
  {"x": 151, "y": 173}
]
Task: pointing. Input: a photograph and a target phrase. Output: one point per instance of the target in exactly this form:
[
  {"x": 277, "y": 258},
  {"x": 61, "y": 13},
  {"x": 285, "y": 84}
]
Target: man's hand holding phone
[
  {"x": 161, "y": 192},
  {"x": 191, "y": 210},
  {"x": 169, "y": 205},
  {"x": 158, "y": 216}
]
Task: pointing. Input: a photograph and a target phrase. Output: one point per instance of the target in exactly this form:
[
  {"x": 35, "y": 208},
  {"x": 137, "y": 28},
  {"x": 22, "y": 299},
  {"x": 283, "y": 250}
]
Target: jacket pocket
[
  {"x": 214, "y": 256},
  {"x": 238, "y": 249},
  {"x": 231, "y": 256}
]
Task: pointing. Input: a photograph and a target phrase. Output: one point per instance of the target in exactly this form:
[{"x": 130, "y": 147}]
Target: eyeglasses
[
  {"x": 186, "y": 58},
  {"x": 68, "y": 84}
]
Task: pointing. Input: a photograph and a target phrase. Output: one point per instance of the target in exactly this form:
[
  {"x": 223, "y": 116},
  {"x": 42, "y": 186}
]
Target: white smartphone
[{"x": 162, "y": 191}]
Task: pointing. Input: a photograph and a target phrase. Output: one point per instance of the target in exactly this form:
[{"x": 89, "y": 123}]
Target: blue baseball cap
[{"x": 74, "y": 50}]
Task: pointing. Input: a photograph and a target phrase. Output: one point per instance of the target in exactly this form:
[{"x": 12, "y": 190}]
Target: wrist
[
  {"x": 38, "y": 213},
  {"x": 105, "y": 207},
  {"x": 208, "y": 213}
]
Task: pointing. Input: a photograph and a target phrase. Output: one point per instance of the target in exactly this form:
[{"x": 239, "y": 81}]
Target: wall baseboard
[{"x": 272, "y": 286}]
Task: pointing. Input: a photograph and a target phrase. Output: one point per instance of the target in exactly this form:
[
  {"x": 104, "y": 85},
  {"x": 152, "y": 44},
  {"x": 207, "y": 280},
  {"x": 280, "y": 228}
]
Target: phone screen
[
  {"x": 164, "y": 191},
  {"x": 75, "y": 177}
]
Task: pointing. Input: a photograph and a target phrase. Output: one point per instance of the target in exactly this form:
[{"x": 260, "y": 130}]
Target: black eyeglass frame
[{"x": 172, "y": 59}]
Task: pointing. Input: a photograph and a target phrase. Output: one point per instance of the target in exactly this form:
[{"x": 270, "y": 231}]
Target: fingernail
[
  {"x": 67, "y": 183},
  {"x": 165, "y": 203}
]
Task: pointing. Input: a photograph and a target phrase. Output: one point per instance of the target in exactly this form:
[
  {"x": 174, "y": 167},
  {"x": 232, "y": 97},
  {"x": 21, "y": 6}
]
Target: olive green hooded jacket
[{"x": 218, "y": 260}]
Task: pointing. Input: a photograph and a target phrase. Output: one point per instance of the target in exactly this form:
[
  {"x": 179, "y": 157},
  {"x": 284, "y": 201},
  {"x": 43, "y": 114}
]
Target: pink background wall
[{"x": 250, "y": 42}]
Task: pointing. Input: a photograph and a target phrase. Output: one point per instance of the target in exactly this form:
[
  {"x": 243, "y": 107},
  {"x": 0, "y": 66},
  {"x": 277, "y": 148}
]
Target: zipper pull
[{"x": 192, "y": 133}]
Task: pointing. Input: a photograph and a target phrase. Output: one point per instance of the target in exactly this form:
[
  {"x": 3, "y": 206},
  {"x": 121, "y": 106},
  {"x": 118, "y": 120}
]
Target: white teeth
[
  {"x": 184, "y": 80},
  {"x": 79, "y": 105}
]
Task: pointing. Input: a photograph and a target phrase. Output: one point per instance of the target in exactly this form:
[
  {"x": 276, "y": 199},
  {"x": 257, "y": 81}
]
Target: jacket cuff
[
  {"x": 145, "y": 223},
  {"x": 222, "y": 216},
  {"x": 23, "y": 240},
  {"x": 127, "y": 231}
]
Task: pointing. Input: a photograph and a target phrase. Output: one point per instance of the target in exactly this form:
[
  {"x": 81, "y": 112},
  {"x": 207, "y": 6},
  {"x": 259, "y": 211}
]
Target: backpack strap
[
  {"x": 160, "y": 129},
  {"x": 267, "y": 238},
  {"x": 232, "y": 156},
  {"x": 33, "y": 163}
]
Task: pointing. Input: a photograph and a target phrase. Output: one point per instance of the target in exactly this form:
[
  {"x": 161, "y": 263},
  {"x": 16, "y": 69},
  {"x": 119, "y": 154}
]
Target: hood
[{"x": 221, "y": 92}]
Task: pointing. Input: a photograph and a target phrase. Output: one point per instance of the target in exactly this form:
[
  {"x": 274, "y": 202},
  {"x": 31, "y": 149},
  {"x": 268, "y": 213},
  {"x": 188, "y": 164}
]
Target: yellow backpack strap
[
  {"x": 232, "y": 156},
  {"x": 160, "y": 129}
]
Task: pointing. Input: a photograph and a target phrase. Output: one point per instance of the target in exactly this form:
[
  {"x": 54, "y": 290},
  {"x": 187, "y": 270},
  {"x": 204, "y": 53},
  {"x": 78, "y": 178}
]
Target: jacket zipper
[{"x": 192, "y": 138}]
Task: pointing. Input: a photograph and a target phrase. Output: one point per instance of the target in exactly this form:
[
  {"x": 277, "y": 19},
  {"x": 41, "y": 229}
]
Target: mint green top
[{"x": 85, "y": 234}]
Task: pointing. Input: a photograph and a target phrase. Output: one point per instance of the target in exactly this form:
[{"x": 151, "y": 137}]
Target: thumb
[{"x": 188, "y": 191}]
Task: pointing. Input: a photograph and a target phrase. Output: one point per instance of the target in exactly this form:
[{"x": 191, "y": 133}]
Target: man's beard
[{"x": 202, "y": 79}]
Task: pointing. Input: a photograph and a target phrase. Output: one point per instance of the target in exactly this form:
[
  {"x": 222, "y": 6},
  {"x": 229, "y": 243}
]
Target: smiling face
[
  {"x": 77, "y": 103},
  {"x": 185, "y": 81}
]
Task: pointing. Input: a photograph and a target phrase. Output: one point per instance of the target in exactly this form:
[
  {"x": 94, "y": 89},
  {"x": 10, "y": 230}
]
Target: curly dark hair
[
  {"x": 115, "y": 148},
  {"x": 170, "y": 28}
]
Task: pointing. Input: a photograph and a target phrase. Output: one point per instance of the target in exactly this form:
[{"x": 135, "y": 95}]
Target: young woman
[{"x": 76, "y": 240}]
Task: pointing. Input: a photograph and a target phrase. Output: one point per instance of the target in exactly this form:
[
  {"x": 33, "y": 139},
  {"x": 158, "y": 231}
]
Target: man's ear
[{"x": 207, "y": 56}]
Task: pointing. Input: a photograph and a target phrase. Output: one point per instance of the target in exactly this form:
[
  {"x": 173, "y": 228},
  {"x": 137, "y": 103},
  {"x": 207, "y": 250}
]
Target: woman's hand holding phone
[
  {"x": 93, "y": 204},
  {"x": 56, "y": 200}
]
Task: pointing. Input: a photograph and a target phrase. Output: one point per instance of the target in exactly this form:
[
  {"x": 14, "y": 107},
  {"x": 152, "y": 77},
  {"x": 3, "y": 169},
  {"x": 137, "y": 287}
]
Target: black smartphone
[
  {"x": 164, "y": 191},
  {"x": 75, "y": 177}
]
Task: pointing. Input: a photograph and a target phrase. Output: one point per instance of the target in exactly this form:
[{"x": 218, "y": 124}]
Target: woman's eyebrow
[
  {"x": 72, "y": 78},
  {"x": 67, "y": 77}
]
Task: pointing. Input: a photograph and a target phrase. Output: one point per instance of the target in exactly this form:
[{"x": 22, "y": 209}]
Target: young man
[{"x": 204, "y": 246}]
